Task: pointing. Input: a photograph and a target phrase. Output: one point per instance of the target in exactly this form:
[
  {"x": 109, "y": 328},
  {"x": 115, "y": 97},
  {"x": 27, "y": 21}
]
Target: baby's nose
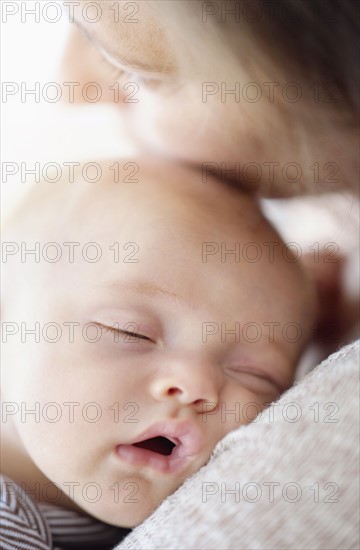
[{"x": 192, "y": 384}]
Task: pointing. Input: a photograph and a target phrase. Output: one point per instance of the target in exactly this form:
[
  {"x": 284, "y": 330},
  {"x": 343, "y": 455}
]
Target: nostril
[
  {"x": 173, "y": 391},
  {"x": 205, "y": 406},
  {"x": 199, "y": 401}
]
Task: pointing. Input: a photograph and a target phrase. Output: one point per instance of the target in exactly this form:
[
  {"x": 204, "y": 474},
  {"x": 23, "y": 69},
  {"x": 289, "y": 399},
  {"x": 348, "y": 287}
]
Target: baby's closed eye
[
  {"x": 253, "y": 380},
  {"x": 126, "y": 335}
]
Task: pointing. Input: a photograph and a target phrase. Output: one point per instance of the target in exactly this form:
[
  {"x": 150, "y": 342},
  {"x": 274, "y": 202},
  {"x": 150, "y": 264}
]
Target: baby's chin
[{"x": 128, "y": 512}]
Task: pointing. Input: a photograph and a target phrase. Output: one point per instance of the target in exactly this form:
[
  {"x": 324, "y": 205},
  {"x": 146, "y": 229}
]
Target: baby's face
[{"x": 163, "y": 337}]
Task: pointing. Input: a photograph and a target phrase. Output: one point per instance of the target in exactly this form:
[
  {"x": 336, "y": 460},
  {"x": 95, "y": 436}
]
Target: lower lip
[{"x": 166, "y": 464}]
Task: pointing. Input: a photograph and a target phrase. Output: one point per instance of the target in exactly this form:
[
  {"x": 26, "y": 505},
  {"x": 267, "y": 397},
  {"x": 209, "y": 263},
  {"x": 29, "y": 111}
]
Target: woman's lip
[{"x": 189, "y": 439}]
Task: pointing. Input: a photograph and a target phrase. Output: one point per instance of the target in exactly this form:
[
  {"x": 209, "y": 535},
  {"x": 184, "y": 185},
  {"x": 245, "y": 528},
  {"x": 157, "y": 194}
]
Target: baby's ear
[{"x": 327, "y": 274}]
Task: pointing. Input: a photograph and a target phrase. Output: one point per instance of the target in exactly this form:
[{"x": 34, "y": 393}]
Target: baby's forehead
[
  {"x": 158, "y": 197},
  {"x": 177, "y": 226}
]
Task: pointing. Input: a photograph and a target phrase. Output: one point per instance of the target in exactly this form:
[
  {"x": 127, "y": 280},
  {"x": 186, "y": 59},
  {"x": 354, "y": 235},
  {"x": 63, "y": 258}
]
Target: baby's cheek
[{"x": 240, "y": 406}]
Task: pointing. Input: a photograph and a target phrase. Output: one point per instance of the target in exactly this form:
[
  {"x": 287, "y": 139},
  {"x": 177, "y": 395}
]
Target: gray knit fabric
[{"x": 294, "y": 474}]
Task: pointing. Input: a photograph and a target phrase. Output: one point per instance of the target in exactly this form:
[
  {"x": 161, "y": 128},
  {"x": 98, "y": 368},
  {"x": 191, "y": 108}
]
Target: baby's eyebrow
[
  {"x": 115, "y": 59},
  {"x": 147, "y": 289}
]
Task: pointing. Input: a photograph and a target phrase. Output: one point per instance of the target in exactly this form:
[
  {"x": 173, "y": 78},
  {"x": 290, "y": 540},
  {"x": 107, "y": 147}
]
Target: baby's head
[{"x": 160, "y": 304}]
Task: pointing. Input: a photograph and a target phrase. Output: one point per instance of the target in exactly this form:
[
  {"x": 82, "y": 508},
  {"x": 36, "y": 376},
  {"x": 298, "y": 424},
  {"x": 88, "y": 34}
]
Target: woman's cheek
[
  {"x": 184, "y": 128},
  {"x": 168, "y": 125}
]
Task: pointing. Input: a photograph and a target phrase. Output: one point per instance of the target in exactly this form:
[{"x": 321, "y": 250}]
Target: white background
[{"x": 46, "y": 132}]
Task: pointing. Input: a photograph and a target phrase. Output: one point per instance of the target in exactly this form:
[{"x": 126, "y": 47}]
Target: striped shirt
[{"x": 26, "y": 525}]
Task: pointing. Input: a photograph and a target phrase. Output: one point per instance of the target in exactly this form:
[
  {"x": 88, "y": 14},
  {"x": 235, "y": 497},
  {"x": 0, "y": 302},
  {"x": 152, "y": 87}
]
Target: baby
[{"x": 143, "y": 320}]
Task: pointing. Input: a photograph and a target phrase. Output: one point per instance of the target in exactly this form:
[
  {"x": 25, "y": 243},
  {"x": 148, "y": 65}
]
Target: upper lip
[{"x": 184, "y": 434}]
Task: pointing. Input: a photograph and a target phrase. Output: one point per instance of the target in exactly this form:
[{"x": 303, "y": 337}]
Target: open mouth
[
  {"x": 166, "y": 447},
  {"x": 161, "y": 445}
]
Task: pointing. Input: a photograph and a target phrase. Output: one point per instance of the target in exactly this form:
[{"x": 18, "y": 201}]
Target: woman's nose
[
  {"x": 196, "y": 384},
  {"x": 84, "y": 66}
]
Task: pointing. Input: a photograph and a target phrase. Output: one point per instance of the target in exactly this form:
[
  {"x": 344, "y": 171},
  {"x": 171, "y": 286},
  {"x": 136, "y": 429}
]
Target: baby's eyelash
[{"x": 128, "y": 333}]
